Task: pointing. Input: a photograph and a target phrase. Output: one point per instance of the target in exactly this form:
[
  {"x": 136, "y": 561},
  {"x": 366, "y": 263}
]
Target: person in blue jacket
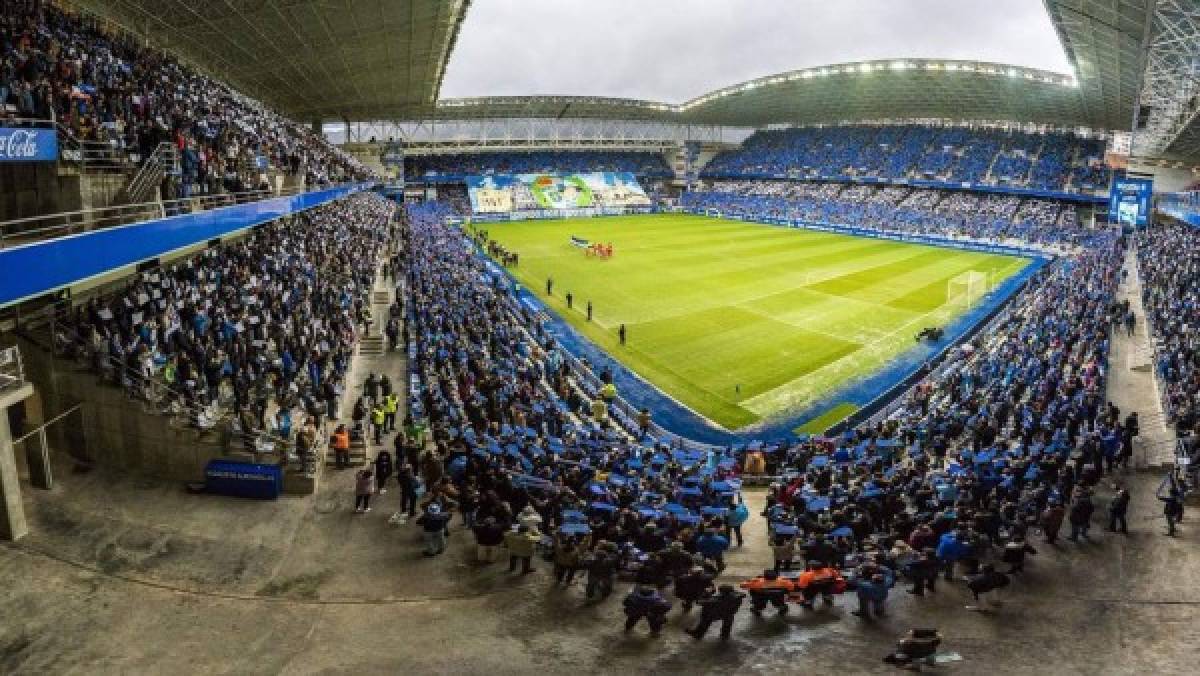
[
  {"x": 952, "y": 547},
  {"x": 648, "y": 602},
  {"x": 712, "y": 546},
  {"x": 873, "y": 592},
  {"x": 738, "y": 515}
]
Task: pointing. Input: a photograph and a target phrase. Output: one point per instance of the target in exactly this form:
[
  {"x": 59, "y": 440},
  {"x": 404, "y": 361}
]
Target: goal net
[
  {"x": 967, "y": 289},
  {"x": 715, "y": 213}
]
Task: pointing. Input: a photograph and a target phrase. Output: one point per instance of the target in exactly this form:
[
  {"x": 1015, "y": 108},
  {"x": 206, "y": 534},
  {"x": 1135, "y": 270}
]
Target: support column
[
  {"x": 37, "y": 458},
  {"x": 12, "y": 511}
]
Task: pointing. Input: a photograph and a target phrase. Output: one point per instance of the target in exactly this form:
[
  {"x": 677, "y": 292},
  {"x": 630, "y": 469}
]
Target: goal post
[
  {"x": 967, "y": 289},
  {"x": 715, "y": 213}
]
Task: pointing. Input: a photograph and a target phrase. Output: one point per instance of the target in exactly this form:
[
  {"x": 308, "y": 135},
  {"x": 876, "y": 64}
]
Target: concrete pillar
[
  {"x": 37, "y": 457},
  {"x": 12, "y": 512}
]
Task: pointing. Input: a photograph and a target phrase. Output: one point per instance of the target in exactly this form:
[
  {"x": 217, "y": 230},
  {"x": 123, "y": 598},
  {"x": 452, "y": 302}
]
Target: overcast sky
[{"x": 673, "y": 50}]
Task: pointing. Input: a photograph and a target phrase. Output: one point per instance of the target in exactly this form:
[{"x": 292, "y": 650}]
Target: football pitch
[{"x": 740, "y": 321}]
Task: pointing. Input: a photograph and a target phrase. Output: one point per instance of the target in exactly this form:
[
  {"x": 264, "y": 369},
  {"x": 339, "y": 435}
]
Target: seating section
[
  {"x": 642, "y": 164},
  {"x": 897, "y": 208},
  {"x": 1051, "y": 162},
  {"x": 105, "y": 86},
  {"x": 1169, "y": 262},
  {"x": 269, "y": 320}
]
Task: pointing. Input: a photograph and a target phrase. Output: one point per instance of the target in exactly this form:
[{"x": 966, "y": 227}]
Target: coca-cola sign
[{"x": 28, "y": 145}]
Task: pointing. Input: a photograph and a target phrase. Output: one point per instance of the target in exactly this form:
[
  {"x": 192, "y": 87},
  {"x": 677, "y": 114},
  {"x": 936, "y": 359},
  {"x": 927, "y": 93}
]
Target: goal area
[{"x": 967, "y": 289}]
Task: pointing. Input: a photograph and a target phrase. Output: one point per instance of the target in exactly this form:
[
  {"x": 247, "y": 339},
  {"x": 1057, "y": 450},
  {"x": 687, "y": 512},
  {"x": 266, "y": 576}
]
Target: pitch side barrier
[
  {"x": 962, "y": 186},
  {"x": 874, "y": 233}
]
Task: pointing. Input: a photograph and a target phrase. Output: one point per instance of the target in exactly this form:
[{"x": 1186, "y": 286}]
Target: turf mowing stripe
[{"x": 712, "y": 304}]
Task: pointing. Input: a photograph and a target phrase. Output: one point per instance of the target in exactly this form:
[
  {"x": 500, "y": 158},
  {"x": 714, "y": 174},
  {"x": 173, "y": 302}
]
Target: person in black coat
[
  {"x": 723, "y": 606},
  {"x": 987, "y": 580},
  {"x": 646, "y": 602},
  {"x": 692, "y": 587},
  {"x": 383, "y": 471},
  {"x": 601, "y": 566},
  {"x": 408, "y": 488},
  {"x": 1014, "y": 554},
  {"x": 1080, "y": 516},
  {"x": 924, "y": 572},
  {"x": 1117, "y": 509}
]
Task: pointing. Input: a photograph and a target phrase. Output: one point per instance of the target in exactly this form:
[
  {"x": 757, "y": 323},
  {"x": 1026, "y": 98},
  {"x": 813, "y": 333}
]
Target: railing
[
  {"x": 85, "y": 156},
  {"x": 51, "y": 226},
  {"x": 12, "y": 370},
  {"x": 142, "y": 185}
]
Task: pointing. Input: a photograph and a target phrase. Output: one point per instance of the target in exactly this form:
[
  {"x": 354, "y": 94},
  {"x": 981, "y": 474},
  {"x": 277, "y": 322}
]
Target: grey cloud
[{"x": 673, "y": 50}]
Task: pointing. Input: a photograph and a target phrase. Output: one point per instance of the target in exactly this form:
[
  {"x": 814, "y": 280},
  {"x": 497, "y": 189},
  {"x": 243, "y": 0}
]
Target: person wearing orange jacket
[
  {"x": 819, "y": 579},
  {"x": 341, "y": 447},
  {"x": 768, "y": 588}
]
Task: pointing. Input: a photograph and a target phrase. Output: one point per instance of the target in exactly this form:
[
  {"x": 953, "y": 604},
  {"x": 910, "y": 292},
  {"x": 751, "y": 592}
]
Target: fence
[{"x": 12, "y": 370}]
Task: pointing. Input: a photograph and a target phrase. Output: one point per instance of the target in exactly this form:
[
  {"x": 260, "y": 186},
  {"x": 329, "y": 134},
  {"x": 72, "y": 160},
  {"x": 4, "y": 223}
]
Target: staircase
[
  {"x": 370, "y": 346},
  {"x": 143, "y": 185},
  {"x": 358, "y": 454}
]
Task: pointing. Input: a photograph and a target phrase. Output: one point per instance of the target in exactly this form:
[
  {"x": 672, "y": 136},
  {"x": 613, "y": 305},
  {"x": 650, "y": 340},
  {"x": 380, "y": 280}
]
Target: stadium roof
[
  {"x": 307, "y": 58},
  {"x": 385, "y": 59}
]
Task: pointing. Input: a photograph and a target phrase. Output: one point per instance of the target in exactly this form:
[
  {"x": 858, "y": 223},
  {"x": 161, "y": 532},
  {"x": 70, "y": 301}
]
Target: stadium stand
[
  {"x": 1169, "y": 262},
  {"x": 1051, "y": 162},
  {"x": 268, "y": 321},
  {"x": 895, "y": 208},
  {"x": 642, "y": 164},
  {"x": 103, "y": 86}
]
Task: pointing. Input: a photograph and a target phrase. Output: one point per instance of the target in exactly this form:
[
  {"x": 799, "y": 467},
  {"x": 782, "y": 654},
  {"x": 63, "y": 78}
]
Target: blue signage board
[
  {"x": 243, "y": 479},
  {"x": 1130, "y": 201},
  {"x": 18, "y": 144},
  {"x": 28, "y": 270}
]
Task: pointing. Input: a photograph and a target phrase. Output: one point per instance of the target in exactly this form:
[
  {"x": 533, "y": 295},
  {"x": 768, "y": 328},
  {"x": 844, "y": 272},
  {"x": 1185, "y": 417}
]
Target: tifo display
[{"x": 500, "y": 193}]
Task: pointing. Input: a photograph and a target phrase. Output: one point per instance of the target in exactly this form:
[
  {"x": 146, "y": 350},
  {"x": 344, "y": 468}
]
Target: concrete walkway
[{"x": 1132, "y": 383}]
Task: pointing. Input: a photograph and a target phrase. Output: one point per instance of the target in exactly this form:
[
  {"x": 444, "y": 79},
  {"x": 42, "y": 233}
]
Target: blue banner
[
  {"x": 243, "y": 479},
  {"x": 41, "y": 267},
  {"x": 28, "y": 145}
]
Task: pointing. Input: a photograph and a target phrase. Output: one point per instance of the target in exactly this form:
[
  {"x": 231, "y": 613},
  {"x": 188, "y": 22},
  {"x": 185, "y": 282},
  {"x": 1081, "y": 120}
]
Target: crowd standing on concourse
[{"x": 1008, "y": 440}]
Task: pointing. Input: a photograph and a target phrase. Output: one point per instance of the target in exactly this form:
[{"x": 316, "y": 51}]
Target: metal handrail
[
  {"x": 86, "y": 155},
  {"x": 164, "y": 160},
  {"x": 12, "y": 369},
  {"x": 50, "y": 226}
]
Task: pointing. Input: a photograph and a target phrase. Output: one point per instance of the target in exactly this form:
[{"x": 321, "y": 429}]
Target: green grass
[
  {"x": 741, "y": 321},
  {"x": 827, "y": 419}
]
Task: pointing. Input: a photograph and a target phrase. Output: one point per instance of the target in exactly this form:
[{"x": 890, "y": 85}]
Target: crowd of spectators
[
  {"x": 1052, "y": 161},
  {"x": 1169, "y": 260},
  {"x": 641, "y": 164},
  {"x": 105, "y": 86},
  {"x": 267, "y": 321},
  {"x": 528, "y": 440},
  {"x": 993, "y": 217},
  {"x": 1012, "y": 431}
]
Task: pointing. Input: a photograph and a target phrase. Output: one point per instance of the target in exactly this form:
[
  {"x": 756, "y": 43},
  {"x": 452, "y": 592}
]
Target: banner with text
[{"x": 28, "y": 145}]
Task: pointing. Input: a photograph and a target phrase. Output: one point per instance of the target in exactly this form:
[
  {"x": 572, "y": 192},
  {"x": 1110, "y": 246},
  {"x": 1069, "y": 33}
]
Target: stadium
[{"x": 467, "y": 337}]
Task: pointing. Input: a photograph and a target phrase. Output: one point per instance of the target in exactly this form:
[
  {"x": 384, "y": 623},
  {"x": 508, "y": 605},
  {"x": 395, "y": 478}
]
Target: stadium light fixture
[
  {"x": 899, "y": 65},
  {"x": 864, "y": 68},
  {"x": 807, "y": 75},
  {"x": 1012, "y": 72}
]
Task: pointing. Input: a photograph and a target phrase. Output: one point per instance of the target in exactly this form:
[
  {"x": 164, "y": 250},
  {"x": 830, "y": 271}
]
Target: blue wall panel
[{"x": 41, "y": 267}]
